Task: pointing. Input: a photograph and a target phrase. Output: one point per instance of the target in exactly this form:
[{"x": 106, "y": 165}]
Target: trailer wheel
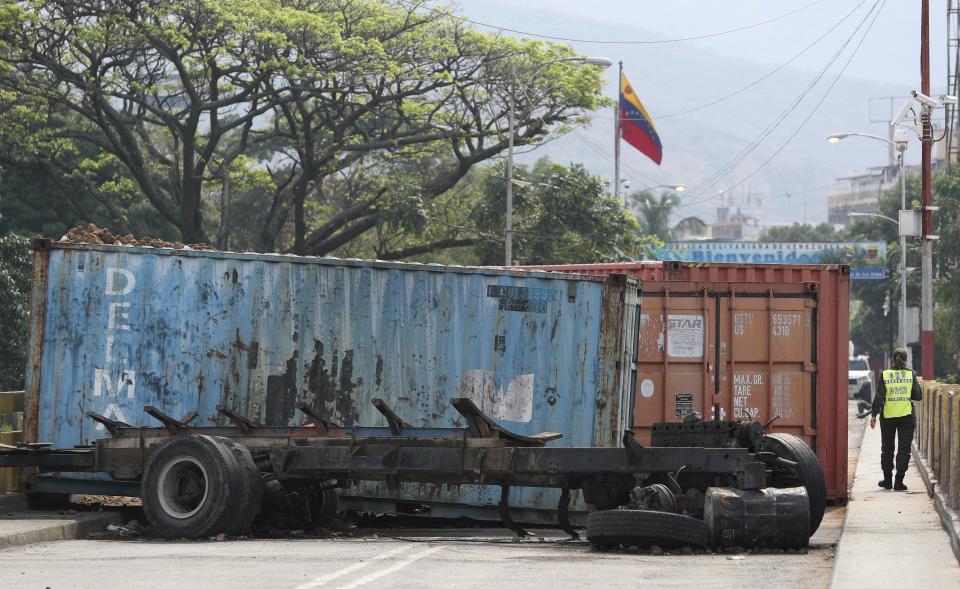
[
  {"x": 325, "y": 507},
  {"x": 251, "y": 487},
  {"x": 634, "y": 527},
  {"x": 807, "y": 473},
  {"x": 191, "y": 487}
]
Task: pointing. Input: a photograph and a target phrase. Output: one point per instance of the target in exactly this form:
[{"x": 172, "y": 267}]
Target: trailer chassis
[{"x": 482, "y": 453}]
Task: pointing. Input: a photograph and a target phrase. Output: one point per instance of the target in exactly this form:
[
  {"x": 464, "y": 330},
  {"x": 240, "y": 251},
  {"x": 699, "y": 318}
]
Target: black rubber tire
[
  {"x": 251, "y": 488},
  {"x": 326, "y": 508},
  {"x": 634, "y": 527},
  {"x": 808, "y": 472},
  {"x": 222, "y": 477}
]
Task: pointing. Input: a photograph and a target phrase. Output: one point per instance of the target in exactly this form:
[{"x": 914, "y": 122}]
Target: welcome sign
[{"x": 773, "y": 253}]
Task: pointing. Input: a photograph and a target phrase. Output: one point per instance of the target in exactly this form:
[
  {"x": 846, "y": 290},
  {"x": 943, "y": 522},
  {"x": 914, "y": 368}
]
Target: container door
[
  {"x": 728, "y": 350},
  {"x": 767, "y": 346},
  {"x": 674, "y": 351}
]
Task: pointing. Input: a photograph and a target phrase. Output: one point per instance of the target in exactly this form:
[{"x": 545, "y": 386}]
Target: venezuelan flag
[{"x": 636, "y": 126}]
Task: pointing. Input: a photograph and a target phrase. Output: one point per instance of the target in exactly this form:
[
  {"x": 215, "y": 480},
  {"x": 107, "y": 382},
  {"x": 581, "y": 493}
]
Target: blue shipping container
[{"x": 117, "y": 328}]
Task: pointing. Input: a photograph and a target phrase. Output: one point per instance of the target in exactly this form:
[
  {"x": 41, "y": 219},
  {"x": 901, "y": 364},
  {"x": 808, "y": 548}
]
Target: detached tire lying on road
[
  {"x": 193, "y": 487},
  {"x": 807, "y": 473},
  {"x": 634, "y": 527}
]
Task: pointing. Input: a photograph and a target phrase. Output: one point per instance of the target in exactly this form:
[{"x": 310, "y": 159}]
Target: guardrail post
[
  {"x": 953, "y": 492},
  {"x": 11, "y": 408},
  {"x": 943, "y": 462},
  {"x": 937, "y": 433}
]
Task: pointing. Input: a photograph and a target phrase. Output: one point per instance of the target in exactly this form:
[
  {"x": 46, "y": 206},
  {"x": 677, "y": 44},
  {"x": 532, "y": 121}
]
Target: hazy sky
[
  {"x": 889, "y": 58},
  {"x": 890, "y": 54}
]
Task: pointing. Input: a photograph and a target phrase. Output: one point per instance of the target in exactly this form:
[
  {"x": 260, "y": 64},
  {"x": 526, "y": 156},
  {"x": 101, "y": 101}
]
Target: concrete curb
[
  {"x": 61, "y": 528},
  {"x": 949, "y": 519},
  {"x": 12, "y": 502}
]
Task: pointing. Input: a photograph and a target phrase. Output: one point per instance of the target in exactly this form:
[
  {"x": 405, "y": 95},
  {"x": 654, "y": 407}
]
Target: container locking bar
[
  {"x": 397, "y": 425},
  {"x": 174, "y": 426},
  {"x": 319, "y": 423},
  {"x": 243, "y": 422},
  {"x": 479, "y": 425},
  {"x": 111, "y": 424}
]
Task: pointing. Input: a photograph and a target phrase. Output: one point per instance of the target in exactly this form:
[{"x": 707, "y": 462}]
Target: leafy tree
[
  {"x": 946, "y": 265},
  {"x": 870, "y": 329},
  {"x": 656, "y": 216},
  {"x": 562, "y": 214},
  {"x": 190, "y": 98},
  {"x": 15, "y": 272},
  {"x": 803, "y": 233}
]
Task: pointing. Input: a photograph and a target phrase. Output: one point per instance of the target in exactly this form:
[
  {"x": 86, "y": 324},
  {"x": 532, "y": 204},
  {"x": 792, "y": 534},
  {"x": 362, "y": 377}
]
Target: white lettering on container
[
  {"x": 740, "y": 320},
  {"x": 115, "y": 314},
  {"x": 781, "y": 324},
  {"x": 743, "y": 383},
  {"x": 129, "y": 281},
  {"x": 120, "y": 282},
  {"x": 102, "y": 383}
]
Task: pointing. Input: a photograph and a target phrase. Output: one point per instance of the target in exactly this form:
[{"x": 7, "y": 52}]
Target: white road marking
[
  {"x": 324, "y": 579},
  {"x": 393, "y": 568}
]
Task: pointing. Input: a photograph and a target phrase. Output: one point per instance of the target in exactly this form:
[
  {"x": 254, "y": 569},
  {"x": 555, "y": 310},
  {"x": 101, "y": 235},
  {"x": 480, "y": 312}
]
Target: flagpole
[{"x": 616, "y": 138}]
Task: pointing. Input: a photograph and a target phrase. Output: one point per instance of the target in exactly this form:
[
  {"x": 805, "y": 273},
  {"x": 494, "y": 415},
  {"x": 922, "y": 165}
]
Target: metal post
[
  {"x": 891, "y": 149},
  {"x": 616, "y": 138},
  {"x": 902, "y": 330},
  {"x": 926, "y": 336},
  {"x": 508, "y": 232}
]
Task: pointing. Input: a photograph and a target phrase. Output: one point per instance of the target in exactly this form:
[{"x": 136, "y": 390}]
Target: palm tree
[{"x": 655, "y": 216}]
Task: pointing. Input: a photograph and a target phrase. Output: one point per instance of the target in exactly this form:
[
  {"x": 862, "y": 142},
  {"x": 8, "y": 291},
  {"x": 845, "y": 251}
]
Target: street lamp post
[
  {"x": 900, "y": 144},
  {"x": 675, "y": 187},
  {"x": 511, "y": 124}
]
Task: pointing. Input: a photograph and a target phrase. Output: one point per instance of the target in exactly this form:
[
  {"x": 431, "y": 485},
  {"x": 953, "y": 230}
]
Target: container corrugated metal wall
[
  {"x": 119, "y": 328},
  {"x": 778, "y": 333}
]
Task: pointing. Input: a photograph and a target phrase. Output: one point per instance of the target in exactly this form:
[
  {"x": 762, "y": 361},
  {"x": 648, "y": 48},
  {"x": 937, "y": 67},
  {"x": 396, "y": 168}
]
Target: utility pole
[
  {"x": 508, "y": 231},
  {"x": 902, "y": 329},
  {"x": 926, "y": 297}
]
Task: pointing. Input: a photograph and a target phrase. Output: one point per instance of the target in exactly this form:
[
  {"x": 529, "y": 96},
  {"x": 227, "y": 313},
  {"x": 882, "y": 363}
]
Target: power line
[
  {"x": 772, "y": 72},
  {"x": 789, "y": 194},
  {"x": 415, "y": 4},
  {"x": 761, "y": 78},
  {"x": 819, "y": 103},
  {"x": 738, "y": 158}
]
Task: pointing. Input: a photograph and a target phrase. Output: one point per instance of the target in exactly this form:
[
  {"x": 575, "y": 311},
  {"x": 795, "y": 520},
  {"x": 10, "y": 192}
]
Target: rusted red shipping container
[{"x": 750, "y": 341}]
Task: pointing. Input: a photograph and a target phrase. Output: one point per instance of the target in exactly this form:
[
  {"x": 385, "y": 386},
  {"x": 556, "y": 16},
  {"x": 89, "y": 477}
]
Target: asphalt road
[{"x": 447, "y": 558}]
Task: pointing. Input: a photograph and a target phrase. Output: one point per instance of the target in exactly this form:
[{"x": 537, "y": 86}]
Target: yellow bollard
[{"x": 8, "y": 476}]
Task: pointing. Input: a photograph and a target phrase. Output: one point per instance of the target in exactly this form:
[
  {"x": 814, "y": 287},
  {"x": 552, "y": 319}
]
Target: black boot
[
  {"x": 898, "y": 485},
  {"x": 886, "y": 483}
]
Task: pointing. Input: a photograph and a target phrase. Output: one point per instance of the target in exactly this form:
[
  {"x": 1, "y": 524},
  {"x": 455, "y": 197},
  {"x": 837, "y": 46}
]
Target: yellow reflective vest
[{"x": 899, "y": 384}]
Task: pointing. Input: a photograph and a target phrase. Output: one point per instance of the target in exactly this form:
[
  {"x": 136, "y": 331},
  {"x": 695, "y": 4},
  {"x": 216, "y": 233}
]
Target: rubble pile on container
[{"x": 99, "y": 236}]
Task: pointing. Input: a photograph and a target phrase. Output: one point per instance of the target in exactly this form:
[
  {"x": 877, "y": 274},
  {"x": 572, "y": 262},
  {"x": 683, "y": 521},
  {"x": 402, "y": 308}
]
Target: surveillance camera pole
[
  {"x": 926, "y": 302},
  {"x": 902, "y": 331}
]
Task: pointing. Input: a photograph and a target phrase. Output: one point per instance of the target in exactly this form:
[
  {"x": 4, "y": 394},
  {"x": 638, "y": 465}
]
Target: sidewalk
[
  {"x": 30, "y": 527},
  {"x": 891, "y": 539}
]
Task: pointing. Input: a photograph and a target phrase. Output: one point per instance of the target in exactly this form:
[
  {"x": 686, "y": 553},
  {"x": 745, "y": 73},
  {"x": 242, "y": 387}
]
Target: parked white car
[{"x": 860, "y": 379}]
